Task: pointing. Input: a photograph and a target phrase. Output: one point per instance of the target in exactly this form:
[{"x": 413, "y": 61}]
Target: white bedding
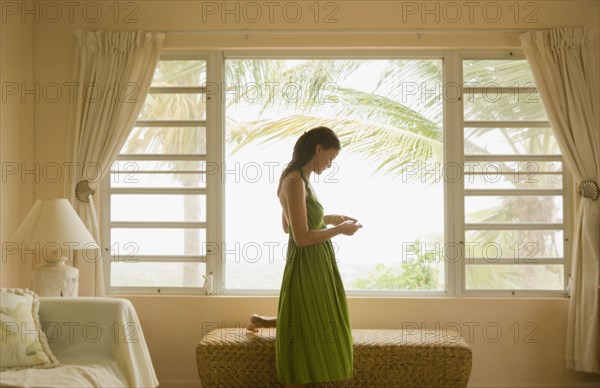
[{"x": 98, "y": 341}]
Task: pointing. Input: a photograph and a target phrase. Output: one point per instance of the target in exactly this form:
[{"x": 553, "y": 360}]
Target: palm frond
[
  {"x": 391, "y": 149},
  {"x": 242, "y": 72}
]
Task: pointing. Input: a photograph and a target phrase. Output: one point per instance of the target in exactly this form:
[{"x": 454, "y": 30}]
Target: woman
[{"x": 314, "y": 339}]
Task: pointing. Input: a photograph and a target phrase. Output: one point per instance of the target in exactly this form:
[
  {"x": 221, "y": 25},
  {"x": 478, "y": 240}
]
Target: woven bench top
[{"x": 362, "y": 337}]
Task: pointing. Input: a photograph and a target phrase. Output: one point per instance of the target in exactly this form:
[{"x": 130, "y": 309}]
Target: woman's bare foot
[{"x": 258, "y": 321}]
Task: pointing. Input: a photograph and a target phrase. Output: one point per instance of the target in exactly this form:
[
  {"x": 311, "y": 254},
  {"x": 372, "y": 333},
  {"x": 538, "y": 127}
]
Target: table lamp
[{"x": 53, "y": 226}]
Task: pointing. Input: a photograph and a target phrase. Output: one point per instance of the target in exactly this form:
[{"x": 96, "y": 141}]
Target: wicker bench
[{"x": 233, "y": 357}]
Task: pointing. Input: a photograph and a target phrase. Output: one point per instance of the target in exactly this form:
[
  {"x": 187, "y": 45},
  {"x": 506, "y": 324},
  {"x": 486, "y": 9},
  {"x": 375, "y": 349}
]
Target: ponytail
[{"x": 305, "y": 149}]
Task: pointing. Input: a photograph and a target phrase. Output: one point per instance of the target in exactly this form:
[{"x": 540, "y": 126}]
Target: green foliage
[{"x": 419, "y": 272}]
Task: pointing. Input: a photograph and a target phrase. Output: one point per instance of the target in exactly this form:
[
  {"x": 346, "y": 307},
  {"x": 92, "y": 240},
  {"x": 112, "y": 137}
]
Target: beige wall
[
  {"x": 16, "y": 142},
  {"x": 173, "y": 325}
]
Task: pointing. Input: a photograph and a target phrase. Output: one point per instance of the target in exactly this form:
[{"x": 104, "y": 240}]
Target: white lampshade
[
  {"x": 54, "y": 224},
  {"x": 54, "y": 221}
]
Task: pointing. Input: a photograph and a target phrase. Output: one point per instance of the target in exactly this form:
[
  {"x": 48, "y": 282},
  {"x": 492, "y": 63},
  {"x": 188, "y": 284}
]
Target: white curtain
[
  {"x": 113, "y": 73},
  {"x": 564, "y": 66}
]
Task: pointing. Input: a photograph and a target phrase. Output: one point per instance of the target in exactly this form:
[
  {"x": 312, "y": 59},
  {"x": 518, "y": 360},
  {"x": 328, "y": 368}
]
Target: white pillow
[{"x": 23, "y": 344}]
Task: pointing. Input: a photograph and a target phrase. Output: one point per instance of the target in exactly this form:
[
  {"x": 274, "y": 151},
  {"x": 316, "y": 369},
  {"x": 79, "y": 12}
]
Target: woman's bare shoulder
[{"x": 292, "y": 179}]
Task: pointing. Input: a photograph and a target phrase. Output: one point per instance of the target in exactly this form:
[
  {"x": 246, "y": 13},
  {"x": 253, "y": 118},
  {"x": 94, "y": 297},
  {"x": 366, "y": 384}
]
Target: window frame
[
  {"x": 365, "y": 54},
  {"x": 454, "y": 220},
  {"x": 567, "y": 187},
  {"x": 106, "y": 189}
]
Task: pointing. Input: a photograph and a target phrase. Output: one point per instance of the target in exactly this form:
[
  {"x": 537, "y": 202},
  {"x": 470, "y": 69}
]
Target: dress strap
[{"x": 306, "y": 184}]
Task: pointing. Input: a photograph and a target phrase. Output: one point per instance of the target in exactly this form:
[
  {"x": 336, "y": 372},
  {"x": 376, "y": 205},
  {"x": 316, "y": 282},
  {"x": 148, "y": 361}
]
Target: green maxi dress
[{"x": 314, "y": 340}]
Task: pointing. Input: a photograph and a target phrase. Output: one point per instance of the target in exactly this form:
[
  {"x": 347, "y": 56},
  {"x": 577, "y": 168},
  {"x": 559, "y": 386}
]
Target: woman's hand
[
  {"x": 336, "y": 219},
  {"x": 349, "y": 227}
]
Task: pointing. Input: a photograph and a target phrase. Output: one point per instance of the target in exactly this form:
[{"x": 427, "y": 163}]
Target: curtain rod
[{"x": 418, "y": 32}]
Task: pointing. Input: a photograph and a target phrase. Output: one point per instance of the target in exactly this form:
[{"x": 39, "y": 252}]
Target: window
[
  {"x": 386, "y": 134},
  {"x": 158, "y": 186},
  {"x": 513, "y": 182},
  {"x": 447, "y": 159}
]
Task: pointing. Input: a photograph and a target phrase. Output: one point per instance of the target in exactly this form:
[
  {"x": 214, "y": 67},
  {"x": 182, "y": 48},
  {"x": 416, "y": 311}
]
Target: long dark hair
[{"x": 305, "y": 149}]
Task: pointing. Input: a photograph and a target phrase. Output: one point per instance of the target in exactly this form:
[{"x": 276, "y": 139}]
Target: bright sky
[{"x": 391, "y": 213}]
